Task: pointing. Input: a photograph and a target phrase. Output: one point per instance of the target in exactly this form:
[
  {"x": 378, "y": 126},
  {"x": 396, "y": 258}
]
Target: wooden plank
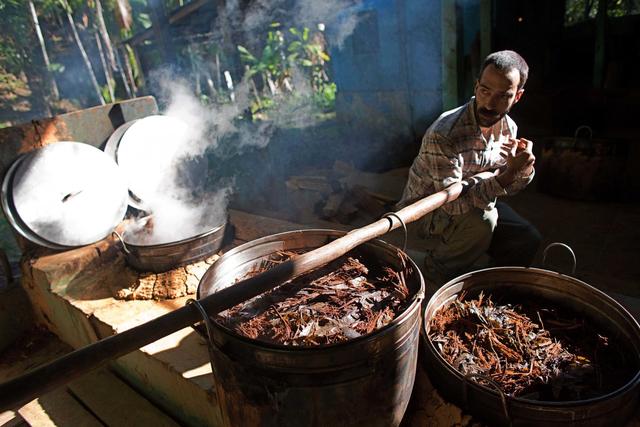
[
  {"x": 115, "y": 403},
  {"x": 57, "y": 408},
  {"x": 11, "y": 419}
]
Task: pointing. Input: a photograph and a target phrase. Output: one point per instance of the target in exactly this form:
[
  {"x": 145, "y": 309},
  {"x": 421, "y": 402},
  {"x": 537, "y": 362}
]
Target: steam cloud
[
  {"x": 180, "y": 210},
  {"x": 338, "y": 15}
]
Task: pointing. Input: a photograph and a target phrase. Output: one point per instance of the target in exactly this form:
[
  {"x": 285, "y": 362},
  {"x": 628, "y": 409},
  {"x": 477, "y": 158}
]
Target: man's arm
[{"x": 443, "y": 161}]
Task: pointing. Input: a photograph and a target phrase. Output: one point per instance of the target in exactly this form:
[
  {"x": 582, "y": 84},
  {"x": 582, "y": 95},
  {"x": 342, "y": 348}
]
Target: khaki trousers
[{"x": 457, "y": 244}]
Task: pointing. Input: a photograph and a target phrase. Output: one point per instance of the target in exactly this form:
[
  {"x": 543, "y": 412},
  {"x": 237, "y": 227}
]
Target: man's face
[{"x": 496, "y": 92}]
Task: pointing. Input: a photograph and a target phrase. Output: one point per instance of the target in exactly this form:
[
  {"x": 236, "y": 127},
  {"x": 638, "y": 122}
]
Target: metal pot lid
[
  {"x": 147, "y": 151},
  {"x": 111, "y": 148},
  {"x": 69, "y": 193}
]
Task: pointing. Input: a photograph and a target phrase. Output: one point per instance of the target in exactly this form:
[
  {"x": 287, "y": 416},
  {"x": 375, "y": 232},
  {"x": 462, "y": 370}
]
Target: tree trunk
[
  {"x": 85, "y": 58},
  {"x": 127, "y": 88},
  {"x": 104, "y": 34},
  {"x": 127, "y": 67},
  {"x": 51, "y": 82},
  {"x": 105, "y": 68}
]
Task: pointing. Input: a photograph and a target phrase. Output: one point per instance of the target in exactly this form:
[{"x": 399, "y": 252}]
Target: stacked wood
[{"x": 345, "y": 194}]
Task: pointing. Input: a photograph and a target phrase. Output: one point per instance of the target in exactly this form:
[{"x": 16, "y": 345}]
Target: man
[{"x": 474, "y": 231}]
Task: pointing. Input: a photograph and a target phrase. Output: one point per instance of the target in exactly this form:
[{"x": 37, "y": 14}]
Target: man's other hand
[{"x": 519, "y": 162}]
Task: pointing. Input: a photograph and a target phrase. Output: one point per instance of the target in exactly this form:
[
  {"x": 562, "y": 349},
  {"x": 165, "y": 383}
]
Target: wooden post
[
  {"x": 599, "y": 62},
  {"x": 449, "y": 55}
]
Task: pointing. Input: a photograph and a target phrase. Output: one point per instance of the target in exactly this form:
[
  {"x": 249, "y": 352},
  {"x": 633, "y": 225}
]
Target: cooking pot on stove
[
  {"x": 366, "y": 381},
  {"x": 160, "y": 257},
  {"x": 150, "y": 151},
  {"x": 64, "y": 195},
  {"x": 70, "y": 194},
  {"x": 489, "y": 403}
]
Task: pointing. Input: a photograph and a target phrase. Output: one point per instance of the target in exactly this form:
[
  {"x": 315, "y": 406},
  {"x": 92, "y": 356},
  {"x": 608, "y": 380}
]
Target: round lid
[
  {"x": 146, "y": 153},
  {"x": 69, "y": 193}
]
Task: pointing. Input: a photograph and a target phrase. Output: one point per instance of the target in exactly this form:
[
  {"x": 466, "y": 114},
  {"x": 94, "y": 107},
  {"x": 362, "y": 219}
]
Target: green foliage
[
  {"x": 55, "y": 67},
  {"x": 577, "y": 11},
  {"x": 283, "y": 54},
  {"x": 15, "y": 35},
  {"x": 104, "y": 91},
  {"x": 325, "y": 97}
]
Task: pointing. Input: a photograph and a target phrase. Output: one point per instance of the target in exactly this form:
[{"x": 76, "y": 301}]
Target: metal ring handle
[
  {"x": 573, "y": 255},
  {"x": 124, "y": 246},
  {"x": 579, "y": 128},
  {"x": 209, "y": 327},
  {"x": 389, "y": 216},
  {"x": 503, "y": 397}
]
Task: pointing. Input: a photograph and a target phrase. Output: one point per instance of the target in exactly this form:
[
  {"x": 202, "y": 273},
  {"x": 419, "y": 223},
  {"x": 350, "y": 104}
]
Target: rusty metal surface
[
  {"x": 92, "y": 126},
  {"x": 614, "y": 408},
  {"x": 366, "y": 381}
]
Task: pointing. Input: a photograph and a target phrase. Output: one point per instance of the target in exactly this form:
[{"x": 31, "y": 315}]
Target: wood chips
[
  {"x": 567, "y": 361},
  {"x": 340, "y": 301}
]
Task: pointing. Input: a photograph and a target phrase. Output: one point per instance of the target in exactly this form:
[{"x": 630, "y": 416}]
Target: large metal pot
[
  {"x": 366, "y": 381},
  {"x": 563, "y": 291},
  {"x": 161, "y": 257}
]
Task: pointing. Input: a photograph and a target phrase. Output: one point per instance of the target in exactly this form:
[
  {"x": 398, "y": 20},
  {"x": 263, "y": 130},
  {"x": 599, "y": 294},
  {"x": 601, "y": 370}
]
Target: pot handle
[
  {"x": 503, "y": 397},
  {"x": 573, "y": 255},
  {"x": 577, "y": 132},
  {"x": 119, "y": 237},
  {"x": 389, "y": 216},
  {"x": 209, "y": 328}
]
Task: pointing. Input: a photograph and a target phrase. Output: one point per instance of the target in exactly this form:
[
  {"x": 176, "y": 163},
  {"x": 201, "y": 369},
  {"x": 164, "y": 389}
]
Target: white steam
[
  {"x": 171, "y": 182},
  {"x": 338, "y": 16}
]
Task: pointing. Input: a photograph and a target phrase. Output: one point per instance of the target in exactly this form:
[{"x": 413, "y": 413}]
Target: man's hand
[{"x": 520, "y": 160}]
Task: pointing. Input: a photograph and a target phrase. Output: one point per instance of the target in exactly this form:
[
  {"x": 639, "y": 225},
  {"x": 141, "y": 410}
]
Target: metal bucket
[
  {"x": 366, "y": 381},
  {"x": 496, "y": 408},
  {"x": 158, "y": 258}
]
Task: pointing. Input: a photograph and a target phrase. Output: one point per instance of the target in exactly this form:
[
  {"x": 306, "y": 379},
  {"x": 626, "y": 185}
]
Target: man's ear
[{"x": 518, "y": 95}]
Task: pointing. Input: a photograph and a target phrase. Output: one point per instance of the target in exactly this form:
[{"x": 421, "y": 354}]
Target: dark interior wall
[{"x": 562, "y": 93}]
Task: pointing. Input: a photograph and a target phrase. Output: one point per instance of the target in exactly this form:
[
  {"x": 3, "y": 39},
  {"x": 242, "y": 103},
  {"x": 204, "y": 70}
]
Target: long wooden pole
[{"x": 18, "y": 391}]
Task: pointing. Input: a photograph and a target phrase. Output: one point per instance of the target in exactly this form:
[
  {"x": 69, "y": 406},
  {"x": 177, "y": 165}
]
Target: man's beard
[{"x": 487, "y": 118}]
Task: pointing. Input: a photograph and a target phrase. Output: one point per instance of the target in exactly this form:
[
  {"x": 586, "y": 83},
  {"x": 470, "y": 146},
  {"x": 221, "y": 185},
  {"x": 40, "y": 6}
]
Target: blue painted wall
[{"x": 389, "y": 71}]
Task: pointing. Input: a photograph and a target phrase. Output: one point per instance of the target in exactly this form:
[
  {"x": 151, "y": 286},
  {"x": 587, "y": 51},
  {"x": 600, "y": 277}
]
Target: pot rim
[
  {"x": 415, "y": 302},
  {"x": 177, "y": 242},
  {"x": 632, "y": 383}
]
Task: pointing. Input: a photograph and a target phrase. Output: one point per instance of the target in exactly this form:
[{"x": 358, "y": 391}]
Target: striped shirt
[{"x": 453, "y": 149}]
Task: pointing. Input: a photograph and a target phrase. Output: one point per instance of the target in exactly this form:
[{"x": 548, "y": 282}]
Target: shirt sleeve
[
  {"x": 443, "y": 163},
  {"x": 520, "y": 183},
  {"x": 438, "y": 165}
]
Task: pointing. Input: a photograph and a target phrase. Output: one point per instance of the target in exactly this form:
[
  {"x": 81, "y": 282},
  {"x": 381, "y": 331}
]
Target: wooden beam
[{"x": 186, "y": 10}]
